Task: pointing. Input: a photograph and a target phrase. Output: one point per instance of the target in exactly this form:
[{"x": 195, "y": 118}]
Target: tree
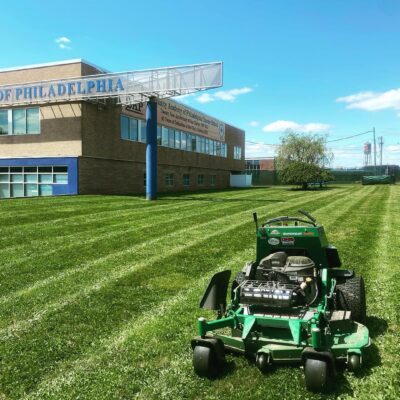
[{"x": 301, "y": 159}]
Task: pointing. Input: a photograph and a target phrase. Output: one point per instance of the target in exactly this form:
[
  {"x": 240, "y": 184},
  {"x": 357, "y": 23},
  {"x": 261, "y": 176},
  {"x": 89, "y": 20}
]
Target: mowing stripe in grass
[
  {"x": 148, "y": 259},
  {"x": 43, "y": 218},
  {"x": 167, "y": 385},
  {"x": 37, "y": 274},
  {"x": 54, "y": 242},
  {"x": 139, "y": 322},
  {"x": 69, "y": 372},
  {"x": 383, "y": 288},
  {"x": 92, "y": 215}
]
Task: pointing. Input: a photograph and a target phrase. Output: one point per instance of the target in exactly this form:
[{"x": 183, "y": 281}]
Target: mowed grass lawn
[{"x": 99, "y": 294}]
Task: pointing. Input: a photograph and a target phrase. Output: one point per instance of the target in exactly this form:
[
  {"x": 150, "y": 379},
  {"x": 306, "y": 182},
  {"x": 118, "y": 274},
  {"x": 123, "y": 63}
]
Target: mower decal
[
  {"x": 275, "y": 232},
  {"x": 294, "y": 233},
  {"x": 273, "y": 241},
  {"x": 288, "y": 241},
  {"x": 309, "y": 233}
]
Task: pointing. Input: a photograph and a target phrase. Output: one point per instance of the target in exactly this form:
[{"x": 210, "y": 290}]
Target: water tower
[{"x": 367, "y": 154}]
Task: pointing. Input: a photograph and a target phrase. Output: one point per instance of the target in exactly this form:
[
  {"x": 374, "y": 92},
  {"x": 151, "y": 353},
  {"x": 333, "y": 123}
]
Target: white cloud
[
  {"x": 254, "y": 124},
  {"x": 184, "y": 98},
  {"x": 224, "y": 95},
  {"x": 259, "y": 149},
  {"x": 230, "y": 95},
  {"x": 373, "y": 101},
  {"x": 63, "y": 42},
  {"x": 282, "y": 126},
  {"x": 205, "y": 98},
  {"x": 393, "y": 148}
]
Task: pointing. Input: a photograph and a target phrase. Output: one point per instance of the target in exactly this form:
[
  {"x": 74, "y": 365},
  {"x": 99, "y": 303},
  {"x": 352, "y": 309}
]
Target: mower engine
[{"x": 281, "y": 281}]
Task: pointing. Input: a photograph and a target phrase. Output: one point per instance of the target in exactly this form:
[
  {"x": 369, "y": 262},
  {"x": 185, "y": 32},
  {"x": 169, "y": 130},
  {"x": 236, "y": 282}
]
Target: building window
[
  {"x": 3, "y": 122},
  {"x": 159, "y": 135},
  {"x": 200, "y": 179},
  {"x": 164, "y": 136},
  {"x": 237, "y": 153},
  {"x": 169, "y": 179},
  {"x": 177, "y": 140},
  {"x": 183, "y": 140},
  {"x": 186, "y": 179},
  {"x": 31, "y": 181},
  {"x": 20, "y": 121},
  {"x": 171, "y": 137},
  {"x": 135, "y": 130},
  {"x": 129, "y": 128},
  {"x": 143, "y": 132},
  {"x": 253, "y": 165},
  {"x": 213, "y": 180}
]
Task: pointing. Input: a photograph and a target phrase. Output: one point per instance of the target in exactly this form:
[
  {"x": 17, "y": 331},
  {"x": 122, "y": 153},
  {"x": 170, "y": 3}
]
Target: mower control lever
[
  {"x": 309, "y": 216},
  {"x": 285, "y": 219}
]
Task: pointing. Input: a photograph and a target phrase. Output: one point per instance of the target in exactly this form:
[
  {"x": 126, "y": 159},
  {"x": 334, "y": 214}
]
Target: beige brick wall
[{"x": 60, "y": 134}]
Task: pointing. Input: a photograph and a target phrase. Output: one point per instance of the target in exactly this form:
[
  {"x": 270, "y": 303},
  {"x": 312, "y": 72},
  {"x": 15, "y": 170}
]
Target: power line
[
  {"x": 328, "y": 141},
  {"x": 348, "y": 137}
]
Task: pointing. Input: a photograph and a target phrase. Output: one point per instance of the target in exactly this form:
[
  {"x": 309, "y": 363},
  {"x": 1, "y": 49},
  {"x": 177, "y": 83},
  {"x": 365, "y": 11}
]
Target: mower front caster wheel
[
  {"x": 318, "y": 375},
  {"x": 354, "y": 362},
  {"x": 205, "y": 362}
]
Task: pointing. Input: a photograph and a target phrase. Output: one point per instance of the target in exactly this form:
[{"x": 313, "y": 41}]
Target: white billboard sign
[{"x": 128, "y": 87}]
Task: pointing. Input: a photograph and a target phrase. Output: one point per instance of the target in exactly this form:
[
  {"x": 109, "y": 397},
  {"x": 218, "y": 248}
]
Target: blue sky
[{"x": 330, "y": 67}]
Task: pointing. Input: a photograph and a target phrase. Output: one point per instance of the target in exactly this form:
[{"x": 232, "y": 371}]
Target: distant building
[{"x": 260, "y": 164}]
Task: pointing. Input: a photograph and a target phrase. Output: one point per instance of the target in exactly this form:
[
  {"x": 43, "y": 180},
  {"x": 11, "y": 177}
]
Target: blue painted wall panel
[{"x": 70, "y": 162}]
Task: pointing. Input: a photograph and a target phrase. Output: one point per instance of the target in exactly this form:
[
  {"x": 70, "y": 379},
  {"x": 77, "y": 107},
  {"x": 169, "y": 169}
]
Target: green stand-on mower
[{"x": 292, "y": 304}]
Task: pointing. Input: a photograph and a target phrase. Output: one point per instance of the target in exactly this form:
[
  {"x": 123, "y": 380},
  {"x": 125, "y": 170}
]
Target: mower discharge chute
[{"x": 292, "y": 304}]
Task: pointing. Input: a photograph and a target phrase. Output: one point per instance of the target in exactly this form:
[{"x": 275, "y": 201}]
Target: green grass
[{"x": 99, "y": 295}]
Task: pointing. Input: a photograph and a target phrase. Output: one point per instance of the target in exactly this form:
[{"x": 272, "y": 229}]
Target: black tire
[
  {"x": 354, "y": 362},
  {"x": 239, "y": 278},
  {"x": 318, "y": 375},
  {"x": 350, "y": 296},
  {"x": 205, "y": 362}
]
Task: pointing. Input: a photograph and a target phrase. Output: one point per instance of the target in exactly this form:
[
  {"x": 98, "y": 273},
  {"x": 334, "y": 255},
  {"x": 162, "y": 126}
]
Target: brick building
[{"x": 82, "y": 147}]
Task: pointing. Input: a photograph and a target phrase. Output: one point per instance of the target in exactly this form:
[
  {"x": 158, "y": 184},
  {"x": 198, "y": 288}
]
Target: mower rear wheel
[
  {"x": 318, "y": 375},
  {"x": 205, "y": 362},
  {"x": 350, "y": 296}
]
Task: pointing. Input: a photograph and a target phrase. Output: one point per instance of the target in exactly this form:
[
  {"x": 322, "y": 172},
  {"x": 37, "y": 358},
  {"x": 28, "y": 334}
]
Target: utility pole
[
  {"x": 373, "y": 129},
  {"x": 380, "y": 149}
]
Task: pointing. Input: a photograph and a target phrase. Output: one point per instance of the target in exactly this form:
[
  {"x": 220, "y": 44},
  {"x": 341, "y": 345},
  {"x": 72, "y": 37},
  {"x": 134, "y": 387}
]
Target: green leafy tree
[{"x": 301, "y": 159}]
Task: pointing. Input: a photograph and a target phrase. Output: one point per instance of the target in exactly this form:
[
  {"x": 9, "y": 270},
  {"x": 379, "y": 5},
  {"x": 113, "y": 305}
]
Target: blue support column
[{"x": 151, "y": 149}]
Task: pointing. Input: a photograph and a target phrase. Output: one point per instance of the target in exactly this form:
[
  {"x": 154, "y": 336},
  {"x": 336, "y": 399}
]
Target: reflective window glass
[
  {"x": 177, "y": 139},
  {"x": 45, "y": 178},
  {"x": 4, "y": 190},
  {"x": 61, "y": 178},
  {"x": 45, "y": 190},
  {"x": 3, "y": 122},
  {"x": 31, "y": 178},
  {"x": 17, "y": 190},
  {"x": 164, "y": 136},
  {"x": 19, "y": 122},
  {"x": 133, "y": 129},
  {"x": 31, "y": 189},
  {"x": 17, "y": 178},
  {"x": 159, "y": 134},
  {"x": 183, "y": 140},
  {"x": 32, "y": 120},
  {"x": 171, "y": 137},
  {"x": 124, "y": 127},
  {"x": 4, "y": 178},
  {"x": 143, "y": 131}
]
